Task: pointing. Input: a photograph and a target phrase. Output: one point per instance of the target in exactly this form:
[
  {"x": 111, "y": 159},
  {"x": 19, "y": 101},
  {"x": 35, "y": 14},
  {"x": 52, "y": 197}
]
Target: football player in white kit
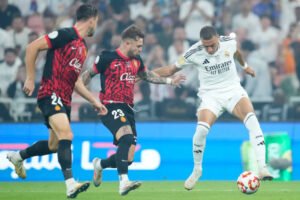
[{"x": 220, "y": 90}]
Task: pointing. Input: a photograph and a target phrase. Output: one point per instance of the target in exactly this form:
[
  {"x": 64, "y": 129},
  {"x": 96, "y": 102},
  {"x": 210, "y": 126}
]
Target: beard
[
  {"x": 90, "y": 32},
  {"x": 131, "y": 54}
]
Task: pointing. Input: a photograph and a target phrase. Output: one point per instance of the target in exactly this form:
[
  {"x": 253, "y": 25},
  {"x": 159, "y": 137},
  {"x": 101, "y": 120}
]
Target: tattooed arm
[
  {"x": 87, "y": 75},
  {"x": 152, "y": 77}
]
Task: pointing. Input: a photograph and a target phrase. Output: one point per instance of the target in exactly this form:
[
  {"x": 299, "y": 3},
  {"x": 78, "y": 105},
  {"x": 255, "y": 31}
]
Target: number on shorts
[
  {"x": 117, "y": 113},
  {"x": 56, "y": 100}
]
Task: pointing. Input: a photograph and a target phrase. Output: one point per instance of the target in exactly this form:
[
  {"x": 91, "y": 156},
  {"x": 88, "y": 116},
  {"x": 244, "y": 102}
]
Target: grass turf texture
[{"x": 205, "y": 190}]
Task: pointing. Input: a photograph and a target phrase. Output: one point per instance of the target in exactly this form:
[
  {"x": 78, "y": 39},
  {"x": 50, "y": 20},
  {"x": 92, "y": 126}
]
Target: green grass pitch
[{"x": 164, "y": 190}]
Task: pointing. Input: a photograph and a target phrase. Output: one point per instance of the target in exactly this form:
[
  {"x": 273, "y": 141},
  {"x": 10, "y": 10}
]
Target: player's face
[
  {"x": 136, "y": 47},
  {"x": 211, "y": 45},
  {"x": 92, "y": 27}
]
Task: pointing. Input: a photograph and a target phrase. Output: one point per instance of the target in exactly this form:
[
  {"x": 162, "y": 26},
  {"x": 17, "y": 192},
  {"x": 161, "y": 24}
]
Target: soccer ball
[{"x": 248, "y": 182}]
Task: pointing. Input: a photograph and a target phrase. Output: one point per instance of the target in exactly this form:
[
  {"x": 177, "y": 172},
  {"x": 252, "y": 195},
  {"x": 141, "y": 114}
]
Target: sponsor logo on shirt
[
  {"x": 218, "y": 68},
  {"x": 75, "y": 63},
  {"x": 205, "y": 62},
  {"x": 127, "y": 77}
]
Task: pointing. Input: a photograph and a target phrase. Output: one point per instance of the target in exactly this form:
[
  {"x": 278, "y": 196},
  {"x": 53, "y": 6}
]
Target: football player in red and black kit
[
  {"x": 118, "y": 70},
  {"x": 65, "y": 56}
]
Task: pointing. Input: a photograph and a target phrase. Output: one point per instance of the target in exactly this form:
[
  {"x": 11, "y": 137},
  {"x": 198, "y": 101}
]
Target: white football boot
[
  {"x": 97, "y": 178},
  {"x": 16, "y": 160},
  {"x": 190, "y": 183},
  {"x": 75, "y": 188},
  {"x": 264, "y": 174},
  {"x": 127, "y": 186}
]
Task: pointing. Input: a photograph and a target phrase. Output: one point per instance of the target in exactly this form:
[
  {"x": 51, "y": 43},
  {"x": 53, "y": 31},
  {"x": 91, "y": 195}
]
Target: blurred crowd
[{"x": 268, "y": 33}]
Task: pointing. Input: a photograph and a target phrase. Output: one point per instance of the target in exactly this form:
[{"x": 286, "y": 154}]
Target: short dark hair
[
  {"x": 85, "y": 12},
  {"x": 10, "y": 50},
  {"x": 17, "y": 17},
  {"x": 207, "y": 32},
  {"x": 132, "y": 32}
]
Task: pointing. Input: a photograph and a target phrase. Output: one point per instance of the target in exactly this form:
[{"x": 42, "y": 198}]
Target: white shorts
[{"x": 218, "y": 101}]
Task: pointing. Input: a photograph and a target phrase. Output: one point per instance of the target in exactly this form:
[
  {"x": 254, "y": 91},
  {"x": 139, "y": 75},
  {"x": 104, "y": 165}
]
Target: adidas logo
[{"x": 205, "y": 62}]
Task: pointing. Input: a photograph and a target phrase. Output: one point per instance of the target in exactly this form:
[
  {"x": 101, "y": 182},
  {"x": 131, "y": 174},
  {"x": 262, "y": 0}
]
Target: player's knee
[
  {"x": 66, "y": 135},
  {"x": 53, "y": 147},
  {"x": 130, "y": 155},
  {"x": 127, "y": 139}
]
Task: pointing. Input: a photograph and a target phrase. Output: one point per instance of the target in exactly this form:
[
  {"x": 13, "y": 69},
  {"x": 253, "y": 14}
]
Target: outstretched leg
[
  {"x": 40, "y": 148},
  {"x": 245, "y": 112}
]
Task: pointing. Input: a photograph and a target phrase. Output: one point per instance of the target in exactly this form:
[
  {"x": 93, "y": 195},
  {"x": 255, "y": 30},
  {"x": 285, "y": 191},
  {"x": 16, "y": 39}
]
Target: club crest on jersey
[
  {"x": 135, "y": 63},
  {"x": 226, "y": 54},
  {"x": 127, "y": 77},
  {"x": 82, "y": 51}
]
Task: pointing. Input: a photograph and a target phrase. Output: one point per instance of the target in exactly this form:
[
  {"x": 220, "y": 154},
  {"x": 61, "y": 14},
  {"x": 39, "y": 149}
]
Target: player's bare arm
[
  {"x": 152, "y": 77},
  {"x": 166, "y": 71},
  {"x": 248, "y": 70},
  {"x": 32, "y": 51},
  {"x": 83, "y": 91},
  {"x": 87, "y": 75}
]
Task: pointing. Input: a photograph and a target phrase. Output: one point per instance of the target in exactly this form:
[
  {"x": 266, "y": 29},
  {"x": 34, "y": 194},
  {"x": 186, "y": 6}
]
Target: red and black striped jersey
[
  {"x": 65, "y": 57},
  {"x": 117, "y": 74}
]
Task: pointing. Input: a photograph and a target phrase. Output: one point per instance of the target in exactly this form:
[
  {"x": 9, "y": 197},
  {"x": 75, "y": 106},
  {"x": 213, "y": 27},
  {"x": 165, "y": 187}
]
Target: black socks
[
  {"x": 122, "y": 153},
  {"x": 39, "y": 148},
  {"x": 65, "y": 157}
]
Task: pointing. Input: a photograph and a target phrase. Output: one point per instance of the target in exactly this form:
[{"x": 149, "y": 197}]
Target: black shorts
[
  {"x": 49, "y": 107},
  {"x": 119, "y": 115}
]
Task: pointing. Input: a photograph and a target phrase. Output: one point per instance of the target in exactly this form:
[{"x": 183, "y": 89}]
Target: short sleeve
[
  {"x": 230, "y": 42},
  {"x": 183, "y": 61},
  {"x": 60, "y": 38},
  {"x": 100, "y": 63},
  {"x": 232, "y": 45},
  {"x": 142, "y": 67}
]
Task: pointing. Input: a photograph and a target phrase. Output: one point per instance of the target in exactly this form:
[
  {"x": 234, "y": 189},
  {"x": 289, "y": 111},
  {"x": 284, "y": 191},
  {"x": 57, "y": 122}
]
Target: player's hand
[
  {"x": 177, "y": 80},
  {"x": 100, "y": 108},
  {"x": 250, "y": 71},
  {"x": 28, "y": 87}
]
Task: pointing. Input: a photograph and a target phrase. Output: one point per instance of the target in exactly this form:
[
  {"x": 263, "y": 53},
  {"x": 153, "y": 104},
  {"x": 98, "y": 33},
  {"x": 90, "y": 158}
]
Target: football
[{"x": 248, "y": 182}]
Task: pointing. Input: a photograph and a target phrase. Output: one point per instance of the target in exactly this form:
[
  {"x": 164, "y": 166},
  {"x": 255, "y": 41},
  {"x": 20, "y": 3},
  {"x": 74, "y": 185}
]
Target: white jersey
[{"x": 217, "y": 71}]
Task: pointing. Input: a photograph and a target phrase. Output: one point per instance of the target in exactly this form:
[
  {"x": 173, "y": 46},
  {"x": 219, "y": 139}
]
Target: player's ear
[{"x": 128, "y": 42}]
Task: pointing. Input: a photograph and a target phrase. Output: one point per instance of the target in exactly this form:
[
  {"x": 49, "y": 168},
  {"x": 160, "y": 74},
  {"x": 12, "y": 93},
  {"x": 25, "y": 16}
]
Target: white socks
[
  {"x": 98, "y": 164},
  {"x": 18, "y": 156},
  {"x": 123, "y": 179},
  {"x": 256, "y": 139},
  {"x": 199, "y": 141},
  {"x": 70, "y": 183}
]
